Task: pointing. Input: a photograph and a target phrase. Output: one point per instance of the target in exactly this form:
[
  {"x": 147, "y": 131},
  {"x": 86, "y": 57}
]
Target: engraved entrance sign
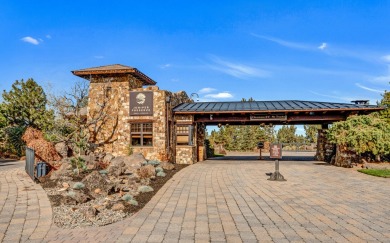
[
  {"x": 141, "y": 103},
  {"x": 275, "y": 151}
]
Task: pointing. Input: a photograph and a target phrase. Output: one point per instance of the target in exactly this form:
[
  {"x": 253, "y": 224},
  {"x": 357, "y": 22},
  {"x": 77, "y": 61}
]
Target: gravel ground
[{"x": 71, "y": 216}]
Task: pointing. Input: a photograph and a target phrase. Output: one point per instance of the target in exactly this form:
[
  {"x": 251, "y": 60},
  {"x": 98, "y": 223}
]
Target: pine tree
[
  {"x": 311, "y": 132},
  {"x": 25, "y": 105},
  {"x": 286, "y": 134}
]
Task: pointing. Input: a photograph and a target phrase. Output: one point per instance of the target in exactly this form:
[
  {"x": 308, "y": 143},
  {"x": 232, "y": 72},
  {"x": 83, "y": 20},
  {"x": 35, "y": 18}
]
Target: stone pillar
[
  {"x": 200, "y": 141},
  {"x": 325, "y": 150},
  {"x": 345, "y": 157}
]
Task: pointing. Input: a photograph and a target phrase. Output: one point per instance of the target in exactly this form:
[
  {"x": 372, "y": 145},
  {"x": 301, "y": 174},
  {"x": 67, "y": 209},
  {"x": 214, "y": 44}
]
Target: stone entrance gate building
[{"x": 167, "y": 126}]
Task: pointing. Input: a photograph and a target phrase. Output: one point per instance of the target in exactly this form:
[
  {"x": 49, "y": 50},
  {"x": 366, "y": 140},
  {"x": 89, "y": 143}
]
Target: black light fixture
[{"x": 197, "y": 96}]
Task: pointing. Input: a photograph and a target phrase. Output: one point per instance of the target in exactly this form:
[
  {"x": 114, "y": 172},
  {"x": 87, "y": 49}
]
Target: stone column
[{"x": 325, "y": 150}]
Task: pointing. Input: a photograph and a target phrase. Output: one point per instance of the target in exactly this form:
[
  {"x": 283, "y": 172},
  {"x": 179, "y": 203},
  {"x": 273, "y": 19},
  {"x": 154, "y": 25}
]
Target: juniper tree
[
  {"x": 366, "y": 133},
  {"x": 25, "y": 105}
]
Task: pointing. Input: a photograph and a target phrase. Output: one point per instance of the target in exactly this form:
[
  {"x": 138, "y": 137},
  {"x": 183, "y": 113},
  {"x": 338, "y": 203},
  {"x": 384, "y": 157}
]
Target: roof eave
[
  {"x": 133, "y": 72},
  {"x": 371, "y": 109}
]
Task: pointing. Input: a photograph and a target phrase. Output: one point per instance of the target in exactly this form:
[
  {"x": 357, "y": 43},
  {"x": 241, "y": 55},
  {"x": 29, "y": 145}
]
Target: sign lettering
[{"x": 141, "y": 103}]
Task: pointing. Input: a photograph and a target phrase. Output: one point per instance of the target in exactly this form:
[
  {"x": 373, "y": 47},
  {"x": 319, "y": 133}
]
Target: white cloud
[
  {"x": 236, "y": 69},
  {"x": 30, "y": 40},
  {"x": 221, "y": 95},
  {"x": 369, "y": 89},
  {"x": 99, "y": 57},
  {"x": 382, "y": 79},
  {"x": 206, "y": 90},
  {"x": 48, "y": 36},
  {"x": 345, "y": 99},
  {"x": 164, "y": 66},
  {"x": 323, "y": 46},
  {"x": 285, "y": 43},
  {"x": 386, "y": 58}
]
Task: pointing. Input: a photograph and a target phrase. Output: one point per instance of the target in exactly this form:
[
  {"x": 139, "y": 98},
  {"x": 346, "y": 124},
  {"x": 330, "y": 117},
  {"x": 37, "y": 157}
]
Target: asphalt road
[{"x": 6, "y": 164}]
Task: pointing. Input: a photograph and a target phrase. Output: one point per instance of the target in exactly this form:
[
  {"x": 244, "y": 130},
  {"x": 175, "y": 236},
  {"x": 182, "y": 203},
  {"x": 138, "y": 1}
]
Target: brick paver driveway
[{"x": 232, "y": 200}]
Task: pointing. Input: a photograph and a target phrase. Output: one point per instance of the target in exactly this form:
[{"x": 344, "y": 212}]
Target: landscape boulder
[
  {"x": 95, "y": 181},
  {"x": 89, "y": 212},
  {"x": 62, "y": 149},
  {"x": 126, "y": 164},
  {"x": 147, "y": 171},
  {"x": 108, "y": 158},
  {"x": 75, "y": 197},
  {"x": 63, "y": 170},
  {"x": 167, "y": 166}
]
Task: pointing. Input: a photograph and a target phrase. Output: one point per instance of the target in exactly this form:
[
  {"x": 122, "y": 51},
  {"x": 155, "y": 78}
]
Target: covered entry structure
[{"x": 283, "y": 112}]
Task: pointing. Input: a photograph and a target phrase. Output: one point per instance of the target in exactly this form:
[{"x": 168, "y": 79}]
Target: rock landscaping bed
[{"x": 103, "y": 189}]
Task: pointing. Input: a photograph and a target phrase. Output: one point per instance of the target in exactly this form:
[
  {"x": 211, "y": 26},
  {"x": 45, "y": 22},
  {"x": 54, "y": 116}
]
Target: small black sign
[
  {"x": 260, "y": 145},
  {"x": 141, "y": 103}
]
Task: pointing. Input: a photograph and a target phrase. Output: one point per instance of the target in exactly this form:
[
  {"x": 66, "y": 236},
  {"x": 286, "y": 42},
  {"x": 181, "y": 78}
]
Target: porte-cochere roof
[{"x": 270, "y": 106}]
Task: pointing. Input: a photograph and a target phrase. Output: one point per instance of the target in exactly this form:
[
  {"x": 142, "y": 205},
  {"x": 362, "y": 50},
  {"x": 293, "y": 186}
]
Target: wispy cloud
[
  {"x": 382, "y": 79},
  {"x": 164, "y": 66},
  {"x": 221, "y": 95},
  {"x": 347, "y": 99},
  {"x": 369, "y": 89},
  {"x": 206, "y": 90},
  {"x": 385, "y": 79},
  {"x": 285, "y": 43},
  {"x": 48, "y": 36},
  {"x": 386, "y": 58},
  {"x": 99, "y": 57},
  {"x": 30, "y": 40},
  {"x": 333, "y": 50},
  {"x": 237, "y": 70},
  {"x": 323, "y": 46}
]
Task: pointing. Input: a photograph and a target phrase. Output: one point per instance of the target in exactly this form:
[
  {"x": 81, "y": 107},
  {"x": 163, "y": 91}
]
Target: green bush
[
  {"x": 161, "y": 174},
  {"x": 103, "y": 172},
  {"x": 133, "y": 202},
  {"x": 13, "y": 139},
  {"x": 366, "y": 133},
  {"x": 159, "y": 169},
  {"x": 78, "y": 186},
  {"x": 71, "y": 194},
  {"x": 127, "y": 197},
  {"x": 145, "y": 189},
  {"x": 78, "y": 163},
  {"x": 154, "y": 162}
]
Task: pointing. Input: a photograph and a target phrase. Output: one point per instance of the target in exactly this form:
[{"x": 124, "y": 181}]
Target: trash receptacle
[{"x": 42, "y": 169}]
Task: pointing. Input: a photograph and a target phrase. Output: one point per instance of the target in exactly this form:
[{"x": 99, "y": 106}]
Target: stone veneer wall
[
  {"x": 185, "y": 154},
  {"x": 159, "y": 150},
  {"x": 115, "y": 132},
  {"x": 200, "y": 141},
  {"x": 345, "y": 157},
  {"x": 325, "y": 150},
  {"x": 115, "y": 91}
]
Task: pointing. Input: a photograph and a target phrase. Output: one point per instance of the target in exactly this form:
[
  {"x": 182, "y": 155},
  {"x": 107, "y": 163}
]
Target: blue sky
[{"x": 330, "y": 50}]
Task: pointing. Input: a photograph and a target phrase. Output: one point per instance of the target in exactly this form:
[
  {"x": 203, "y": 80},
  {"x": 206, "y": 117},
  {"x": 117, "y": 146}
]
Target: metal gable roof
[{"x": 267, "y": 106}]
